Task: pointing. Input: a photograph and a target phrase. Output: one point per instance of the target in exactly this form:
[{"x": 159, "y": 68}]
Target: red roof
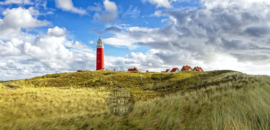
[
  {"x": 133, "y": 69},
  {"x": 198, "y": 69},
  {"x": 185, "y": 68},
  {"x": 165, "y": 71},
  {"x": 174, "y": 69}
]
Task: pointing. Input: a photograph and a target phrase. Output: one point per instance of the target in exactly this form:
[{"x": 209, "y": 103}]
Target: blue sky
[
  {"x": 49, "y": 36},
  {"x": 131, "y": 13}
]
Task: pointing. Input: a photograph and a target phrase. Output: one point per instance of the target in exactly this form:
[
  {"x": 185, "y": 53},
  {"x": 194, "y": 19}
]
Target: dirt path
[{"x": 7, "y": 85}]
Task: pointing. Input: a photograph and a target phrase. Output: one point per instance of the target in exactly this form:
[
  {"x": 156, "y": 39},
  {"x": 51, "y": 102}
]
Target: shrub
[{"x": 12, "y": 85}]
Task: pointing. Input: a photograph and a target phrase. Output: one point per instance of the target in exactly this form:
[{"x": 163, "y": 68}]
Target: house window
[
  {"x": 98, "y": 52},
  {"x": 98, "y": 61},
  {"x": 189, "y": 69}
]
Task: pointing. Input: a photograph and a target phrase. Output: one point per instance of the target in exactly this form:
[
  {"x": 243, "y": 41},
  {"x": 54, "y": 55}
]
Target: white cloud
[
  {"x": 132, "y": 12},
  {"x": 17, "y": 18},
  {"x": 26, "y": 2},
  {"x": 67, "y": 5},
  {"x": 52, "y": 45},
  {"x": 227, "y": 62},
  {"x": 135, "y": 36},
  {"x": 42, "y": 3},
  {"x": 48, "y": 53},
  {"x": 56, "y": 31},
  {"x": 109, "y": 15},
  {"x": 160, "y": 3},
  {"x": 223, "y": 35},
  {"x": 229, "y": 3},
  {"x": 140, "y": 60},
  {"x": 79, "y": 45},
  {"x": 10, "y": 48},
  {"x": 124, "y": 41},
  {"x": 49, "y": 46},
  {"x": 34, "y": 51}
]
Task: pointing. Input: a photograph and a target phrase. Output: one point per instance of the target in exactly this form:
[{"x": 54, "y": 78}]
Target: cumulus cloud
[
  {"x": 234, "y": 30},
  {"x": 48, "y": 53},
  {"x": 11, "y": 48},
  {"x": 54, "y": 45},
  {"x": 51, "y": 45},
  {"x": 56, "y": 31},
  {"x": 47, "y": 47},
  {"x": 110, "y": 13},
  {"x": 19, "y": 18},
  {"x": 67, "y": 5}
]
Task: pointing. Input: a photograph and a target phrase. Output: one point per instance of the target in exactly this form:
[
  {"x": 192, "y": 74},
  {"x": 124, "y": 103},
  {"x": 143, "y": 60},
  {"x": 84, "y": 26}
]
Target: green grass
[
  {"x": 183, "y": 100},
  {"x": 3, "y": 81}
]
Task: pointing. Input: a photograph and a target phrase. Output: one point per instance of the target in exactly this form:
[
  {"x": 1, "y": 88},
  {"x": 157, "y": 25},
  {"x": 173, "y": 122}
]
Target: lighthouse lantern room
[{"x": 100, "y": 55}]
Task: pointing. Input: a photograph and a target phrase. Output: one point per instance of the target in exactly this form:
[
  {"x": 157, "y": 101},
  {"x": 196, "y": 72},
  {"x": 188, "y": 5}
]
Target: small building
[
  {"x": 186, "y": 68},
  {"x": 197, "y": 68},
  {"x": 147, "y": 70},
  {"x": 175, "y": 70},
  {"x": 165, "y": 71},
  {"x": 135, "y": 69}
]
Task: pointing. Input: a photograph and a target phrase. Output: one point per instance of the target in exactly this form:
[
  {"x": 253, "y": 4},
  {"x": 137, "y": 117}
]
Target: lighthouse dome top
[{"x": 100, "y": 43}]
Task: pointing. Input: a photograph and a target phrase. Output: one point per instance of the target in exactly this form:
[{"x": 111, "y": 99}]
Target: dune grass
[
  {"x": 184, "y": 100},
  {"x": 2, "y": 86}
]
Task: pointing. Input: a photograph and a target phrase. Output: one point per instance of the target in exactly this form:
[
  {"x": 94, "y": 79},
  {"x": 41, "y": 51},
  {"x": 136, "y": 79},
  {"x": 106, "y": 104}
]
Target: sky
[{"x": 39, "y": 37}]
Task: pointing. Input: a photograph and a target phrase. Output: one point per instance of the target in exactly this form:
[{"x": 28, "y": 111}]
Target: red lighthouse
[{"x": 100, "y": 55}]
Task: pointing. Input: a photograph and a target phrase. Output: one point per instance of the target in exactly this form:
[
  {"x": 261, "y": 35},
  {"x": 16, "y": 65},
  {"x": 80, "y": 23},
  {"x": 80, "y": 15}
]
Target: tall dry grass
[{"x": 210, "y": 100}]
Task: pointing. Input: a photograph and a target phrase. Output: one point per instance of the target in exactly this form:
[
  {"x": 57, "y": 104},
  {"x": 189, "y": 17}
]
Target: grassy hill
[{"x": 183, "y": 100}]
